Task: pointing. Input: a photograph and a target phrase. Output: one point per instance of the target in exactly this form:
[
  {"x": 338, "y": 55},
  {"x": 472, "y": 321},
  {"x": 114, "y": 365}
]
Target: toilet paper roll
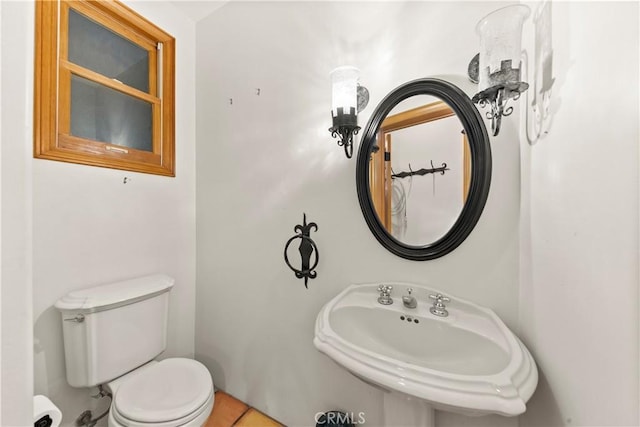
[{"x": 45, "y": 413}]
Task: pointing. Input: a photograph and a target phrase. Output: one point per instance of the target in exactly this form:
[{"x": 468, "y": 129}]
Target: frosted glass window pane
[
  {"x": 103, "y": 114},
  {"x": 101, "y": 50}
]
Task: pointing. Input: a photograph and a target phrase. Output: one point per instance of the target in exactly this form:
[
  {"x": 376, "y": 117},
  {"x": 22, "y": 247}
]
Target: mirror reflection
[{"x": 419, "y": 170}]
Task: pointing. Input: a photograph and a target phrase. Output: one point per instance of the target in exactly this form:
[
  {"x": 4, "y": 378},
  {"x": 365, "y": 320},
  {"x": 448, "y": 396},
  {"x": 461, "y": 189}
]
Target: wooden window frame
[{"x": 52, "y": 105}]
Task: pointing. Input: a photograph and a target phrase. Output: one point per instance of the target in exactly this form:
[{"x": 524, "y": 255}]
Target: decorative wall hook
[
  {"x": 441, "y": 170},
  {"x": 307, "y": 248}
]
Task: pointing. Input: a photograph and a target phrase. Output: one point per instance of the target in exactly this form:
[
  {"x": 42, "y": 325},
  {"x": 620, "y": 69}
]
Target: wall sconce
[
  {"x": 542, "y": 78},
  {"x": 348, "y": 99},
  {"x": 497, "y": 67}
]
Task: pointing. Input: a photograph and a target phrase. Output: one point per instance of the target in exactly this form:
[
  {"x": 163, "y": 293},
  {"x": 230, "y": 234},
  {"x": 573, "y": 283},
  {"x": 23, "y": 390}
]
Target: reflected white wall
[{"x": 432, "y": 202}]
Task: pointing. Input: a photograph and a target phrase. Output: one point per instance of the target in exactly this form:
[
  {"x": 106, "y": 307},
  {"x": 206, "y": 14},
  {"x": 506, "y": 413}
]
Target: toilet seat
[
  {"x": 196, "y": 419},
  {"x": 173, "y": 392}
]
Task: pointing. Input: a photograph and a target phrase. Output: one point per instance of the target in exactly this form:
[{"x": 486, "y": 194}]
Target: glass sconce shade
[
  {"x": 499, "y": 61},
  {"x": 500, "y": 35},
  {"x": 344, "y": 106},
  {"x": 344, "y": 82}
]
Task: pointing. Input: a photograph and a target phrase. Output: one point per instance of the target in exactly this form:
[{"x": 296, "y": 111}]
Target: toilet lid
[{"x": 168, "y": 390}]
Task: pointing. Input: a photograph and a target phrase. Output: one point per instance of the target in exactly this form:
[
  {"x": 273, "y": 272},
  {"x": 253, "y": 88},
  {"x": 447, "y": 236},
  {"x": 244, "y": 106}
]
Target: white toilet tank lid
[
  {"x": 168, "y": 390},
  {"x": 112, "y": 295}
]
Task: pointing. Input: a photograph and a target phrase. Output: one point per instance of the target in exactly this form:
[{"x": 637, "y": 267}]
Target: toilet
[{"x": 112, "y": 336}]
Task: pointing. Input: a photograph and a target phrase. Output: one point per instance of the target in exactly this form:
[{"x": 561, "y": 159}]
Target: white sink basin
[{"x": 468, "y": 362}]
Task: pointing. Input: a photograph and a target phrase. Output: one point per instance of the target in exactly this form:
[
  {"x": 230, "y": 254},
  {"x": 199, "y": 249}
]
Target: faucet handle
[
  {"x": 385, "y": 289},
  {"x": 439, "y": 298},
  {"x": 385, "y": 294},
  {"x": 439, "y": 308},
  {"x": 409, "y": 290}
]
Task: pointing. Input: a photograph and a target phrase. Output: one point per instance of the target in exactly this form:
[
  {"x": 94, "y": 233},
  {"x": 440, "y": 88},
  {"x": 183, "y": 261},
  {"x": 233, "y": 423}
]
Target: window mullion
[{"x": 110, "y": 83}]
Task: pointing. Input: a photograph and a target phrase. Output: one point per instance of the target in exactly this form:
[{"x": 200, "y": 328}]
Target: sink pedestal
[{"x": 400, "y": 410}]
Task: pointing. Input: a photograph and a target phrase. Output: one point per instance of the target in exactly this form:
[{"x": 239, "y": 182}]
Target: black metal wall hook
[
  {"x": 422, "y": 171},
  {"x": 307, "y": 248}
]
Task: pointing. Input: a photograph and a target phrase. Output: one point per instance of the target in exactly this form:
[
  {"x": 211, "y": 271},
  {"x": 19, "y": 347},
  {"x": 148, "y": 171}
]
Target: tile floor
[{"x": 230, "y": 412}]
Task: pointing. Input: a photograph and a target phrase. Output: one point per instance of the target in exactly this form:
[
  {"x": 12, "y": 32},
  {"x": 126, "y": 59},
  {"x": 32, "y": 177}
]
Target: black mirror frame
[{"x": 480, "y": 167}]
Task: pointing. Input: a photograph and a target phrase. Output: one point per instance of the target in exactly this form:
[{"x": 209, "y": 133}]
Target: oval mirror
[{"x": 423, "y": 169}]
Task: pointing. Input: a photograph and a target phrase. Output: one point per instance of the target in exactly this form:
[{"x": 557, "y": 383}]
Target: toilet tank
[{"x": 112, "y": 329}]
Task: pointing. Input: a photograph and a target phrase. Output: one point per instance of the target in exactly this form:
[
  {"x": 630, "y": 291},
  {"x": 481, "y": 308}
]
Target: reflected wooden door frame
[{"x": 380, "y": 161}]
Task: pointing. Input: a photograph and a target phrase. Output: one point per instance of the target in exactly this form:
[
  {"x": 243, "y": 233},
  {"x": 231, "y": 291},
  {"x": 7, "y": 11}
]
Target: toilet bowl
[{"x": 174, "y": 392}]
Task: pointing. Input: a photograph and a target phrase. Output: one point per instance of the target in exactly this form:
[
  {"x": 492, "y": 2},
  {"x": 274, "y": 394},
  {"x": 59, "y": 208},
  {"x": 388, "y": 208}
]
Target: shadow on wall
[
  {"x": 542, "y": 409},
  {"x": 48, "y": 356},
  {"x": 48, "y": 348},
  {"x": 217, "y": 372}
]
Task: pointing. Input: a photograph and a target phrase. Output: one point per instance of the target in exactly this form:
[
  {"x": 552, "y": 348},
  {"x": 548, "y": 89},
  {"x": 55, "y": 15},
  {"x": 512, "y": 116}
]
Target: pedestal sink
[{"x": 467, "y": 362}]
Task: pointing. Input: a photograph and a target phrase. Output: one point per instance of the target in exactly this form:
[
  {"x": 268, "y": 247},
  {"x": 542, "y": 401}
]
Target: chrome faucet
[
  {"x": 439, "y": 309},
  {"x": 385, "y": 294},
  {"x": 408, "y": 300}
]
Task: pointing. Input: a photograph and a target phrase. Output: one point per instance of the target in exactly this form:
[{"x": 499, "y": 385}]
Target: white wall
[
  {"x": 0, "y": 207},
  {"x": 579, "y": 255},
  {"x": 264, "y": 160},
  {"x": 16, "y": 106},
  {"x": 91, "y": 228}
]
